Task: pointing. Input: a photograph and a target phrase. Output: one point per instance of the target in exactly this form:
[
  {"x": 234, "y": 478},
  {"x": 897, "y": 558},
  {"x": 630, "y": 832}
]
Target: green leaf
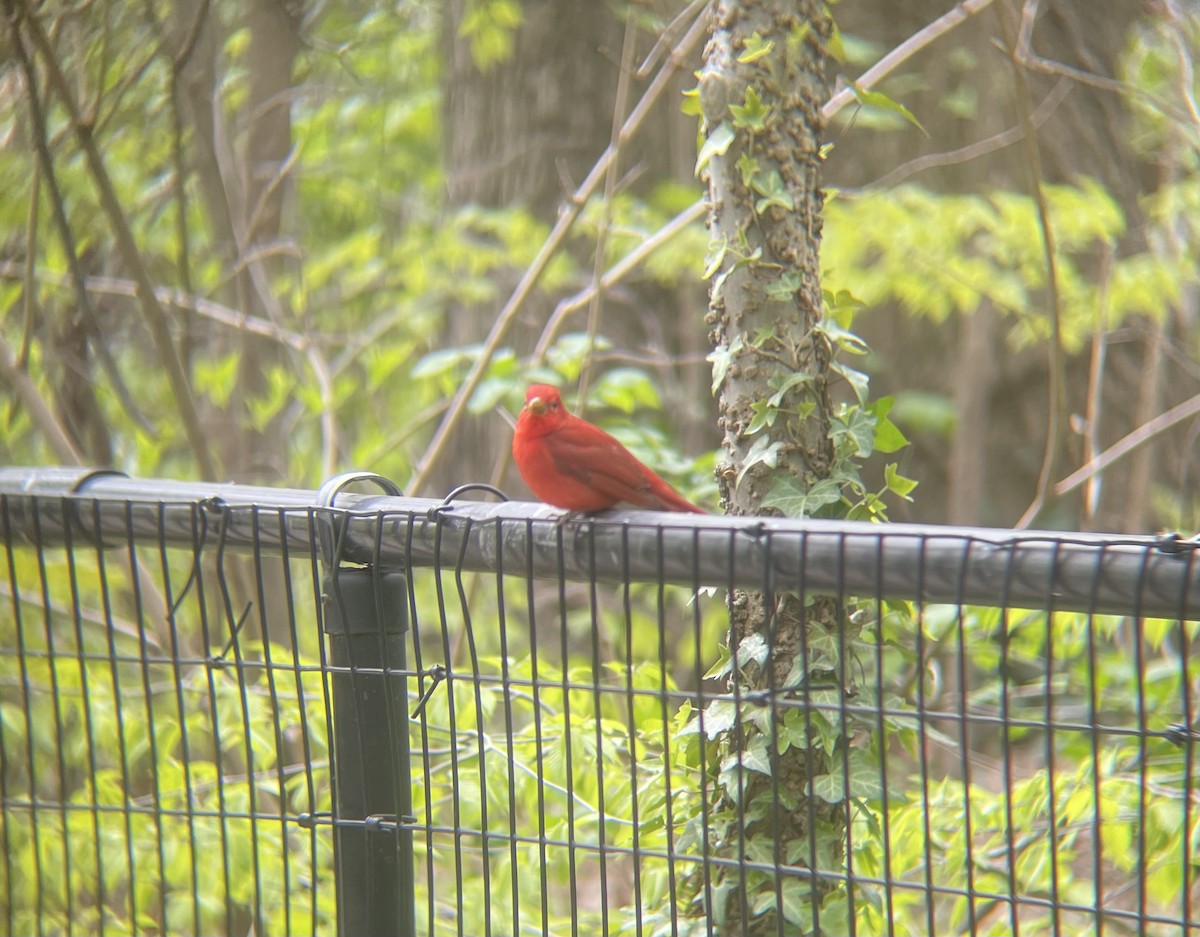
[
  {"x": 841, "y": 337},
  {"x": 691, "y": 103},
  {"x": 754, "y": 48},
  {"x": 770, "y": 186},
  {"x": 752, "y": 114},
  {"x": 765, "y": 451},
  {"x": 749, "y": 167},
  {"x": 897, "y": 483},
  {"x": 764, "y": 415},
  {"x": 880, "y": 101},
  {"x": 888, "y": 437},
  {"x": 716, "y": 145},
  {"x": 856, "y": 379},
  {"x": 788, "y": 496},
  {"x": 717, "y": 249},
  {"x": 785, "y": 287},
  {"x": 721, "y": 358},
  {"x": 785, "y": 384}
]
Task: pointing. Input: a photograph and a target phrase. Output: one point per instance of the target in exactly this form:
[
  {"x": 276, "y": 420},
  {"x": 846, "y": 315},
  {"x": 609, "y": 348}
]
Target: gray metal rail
[{"x": 1108, "y": 574}]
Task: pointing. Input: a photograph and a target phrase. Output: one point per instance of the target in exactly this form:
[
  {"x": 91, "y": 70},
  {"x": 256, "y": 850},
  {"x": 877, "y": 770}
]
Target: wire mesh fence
[{"x": 242, "y": 710}]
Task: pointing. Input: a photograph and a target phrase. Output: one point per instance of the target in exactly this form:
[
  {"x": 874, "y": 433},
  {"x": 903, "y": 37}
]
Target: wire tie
[
  {"x": 381, "y": 823},
  {"x": 310, "y": 821},
  {"x": 438, "y": 673}
]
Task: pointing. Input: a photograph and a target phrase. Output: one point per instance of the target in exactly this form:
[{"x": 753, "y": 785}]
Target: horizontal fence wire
[{"x": 227, "y": 709}]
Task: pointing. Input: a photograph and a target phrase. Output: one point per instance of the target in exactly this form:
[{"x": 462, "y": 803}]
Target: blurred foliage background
[
  {"x": 333, "y": 202},
  {"x": 269, "y": 241}
]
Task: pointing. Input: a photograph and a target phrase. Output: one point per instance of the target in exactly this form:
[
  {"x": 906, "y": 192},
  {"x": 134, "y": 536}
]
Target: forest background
[
  {"x": 333, "y": 202},
  {"x": 271, "y": 241}
]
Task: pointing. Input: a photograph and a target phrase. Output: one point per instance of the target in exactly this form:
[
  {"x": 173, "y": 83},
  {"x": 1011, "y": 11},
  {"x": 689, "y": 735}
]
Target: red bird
[{"x": 572, "y": 464}]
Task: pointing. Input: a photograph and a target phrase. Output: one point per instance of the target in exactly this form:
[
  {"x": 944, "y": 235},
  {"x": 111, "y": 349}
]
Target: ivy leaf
[
  {"x": 753, "y": 757},
  {"x": 786, "y": 384},
  {"x": 716, "y": 145},
  {"x": 721, "y": 359},
  {"x": 843, "y": 338},
  {"x": 785, "y": 287},
  {"x": 888, "y": 437},
  {"x": 896, "y": 483},
  {"x": 879, "y": 100},
  {"x": 720, "y": 716},
  {"x": 763, "y": 450},
  {"x": 753, "y": 649},
  {"x": 764, "y": 415},
  {"x": 755, "y": 48},
  {"x": 718, "y": 249},
  {"x": 795, "y": 501},
  {"x": 770, "y": 186},
  {"x": 752, "y": 114},
  {"x": 856, "y": 379},
  {"x": 749, "y": 167}
]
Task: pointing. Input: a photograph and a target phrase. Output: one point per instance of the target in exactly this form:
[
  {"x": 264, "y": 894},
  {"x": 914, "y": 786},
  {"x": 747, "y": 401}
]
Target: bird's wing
[{"x": 599, "y": 461}]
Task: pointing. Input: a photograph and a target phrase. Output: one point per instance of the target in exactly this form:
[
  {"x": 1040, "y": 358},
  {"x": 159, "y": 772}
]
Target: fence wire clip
[
  {"x": 1175, "y": 543},
  {"x": 438, "y": 509},
  {"x": 438, "y": 673},
  {"x": 330, "y": 524}
]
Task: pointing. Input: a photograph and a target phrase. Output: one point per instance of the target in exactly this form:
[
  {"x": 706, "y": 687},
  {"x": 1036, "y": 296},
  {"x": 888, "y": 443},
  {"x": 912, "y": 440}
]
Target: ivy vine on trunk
[{"x": 779, "y": 751}]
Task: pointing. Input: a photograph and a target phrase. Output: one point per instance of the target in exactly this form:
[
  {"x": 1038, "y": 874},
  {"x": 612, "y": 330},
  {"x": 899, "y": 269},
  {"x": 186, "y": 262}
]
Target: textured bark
[
  {"x": 765, "y": 300},
  {"x": 786, "y": 243}
]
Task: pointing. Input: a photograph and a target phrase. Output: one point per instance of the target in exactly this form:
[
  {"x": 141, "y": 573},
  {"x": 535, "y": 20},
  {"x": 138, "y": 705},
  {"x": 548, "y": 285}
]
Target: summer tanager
[{"x": 568, "y": 462}]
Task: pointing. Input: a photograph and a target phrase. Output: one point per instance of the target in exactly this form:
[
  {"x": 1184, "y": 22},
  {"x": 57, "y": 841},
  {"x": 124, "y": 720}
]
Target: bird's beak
[{"x": 535, "y": 405}]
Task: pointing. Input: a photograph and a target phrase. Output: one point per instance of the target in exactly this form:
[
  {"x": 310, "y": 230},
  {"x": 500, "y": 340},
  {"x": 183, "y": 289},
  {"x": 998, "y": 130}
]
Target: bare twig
[
  {"x": 156, "y": 318},
  {"x": 1095, "y": 397},
  {"x": 554, "y": 241},
  {"x": 39, "y": 410},
  {"x": 1126, "y": 444},
  {"x": 952, "y": 18},
  {"x": 1187, "y": 70},
  {"x": 1057, "y": 364},
  {"x": 979, "y": 148},
  {"x": 605, "y": 223},
  {"x": 616, "y": 274},
  {"x": 232, "y": 318},
  {"x": 66, "y": 236}
]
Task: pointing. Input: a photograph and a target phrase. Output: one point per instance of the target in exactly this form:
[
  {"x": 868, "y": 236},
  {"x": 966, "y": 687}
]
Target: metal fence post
[{"x": 366, "y": 618}]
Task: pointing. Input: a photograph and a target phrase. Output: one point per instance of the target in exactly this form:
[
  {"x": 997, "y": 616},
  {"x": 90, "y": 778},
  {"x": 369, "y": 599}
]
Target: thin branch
[
  {"x": 156, "y": 318},
  {"x": 169, "y": 296},
  {"x": 1057, "y": 363},
  {"x": 1187, "y": 70},
  {"x": 949, "y": 20},
  {"x": 615, "y": 275},
  {"x": 1126, "y": 444},
  {"x": 567, "y": 216},
  {"x": 979, "y": 148},
  {"x": 40, "y": 412},
  {"x": 605, "y": 223},
  {"x": 66, "y": 235},
  {"x": 1096, "y": 365}
]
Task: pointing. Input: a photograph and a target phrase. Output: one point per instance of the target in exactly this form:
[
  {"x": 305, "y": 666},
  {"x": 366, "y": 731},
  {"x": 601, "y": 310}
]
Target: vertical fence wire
[{"x": 167, "y": 730}]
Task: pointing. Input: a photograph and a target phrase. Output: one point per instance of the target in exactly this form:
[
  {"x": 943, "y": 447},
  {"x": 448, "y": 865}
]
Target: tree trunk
[{"x": 761, "y": 92}]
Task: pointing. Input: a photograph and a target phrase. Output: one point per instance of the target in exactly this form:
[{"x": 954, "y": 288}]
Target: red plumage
[{"x": 569, "y": 463}]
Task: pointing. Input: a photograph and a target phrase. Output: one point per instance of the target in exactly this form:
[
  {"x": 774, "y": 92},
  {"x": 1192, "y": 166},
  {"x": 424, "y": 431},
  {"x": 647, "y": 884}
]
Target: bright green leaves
[
  {"x": 721, "y": 358},
  {"x": 717, "y": 144},
  {"x": 752, "y": 114},
  {"x": 755, "y": 48},
  {"x": 879, "y": 101},
  {"x": 858, "y": 428},
  {"x": 489, "y": 25}
]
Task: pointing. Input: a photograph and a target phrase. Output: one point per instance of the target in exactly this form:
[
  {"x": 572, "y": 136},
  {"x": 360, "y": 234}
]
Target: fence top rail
[{"x": 1087, "y": 572}]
